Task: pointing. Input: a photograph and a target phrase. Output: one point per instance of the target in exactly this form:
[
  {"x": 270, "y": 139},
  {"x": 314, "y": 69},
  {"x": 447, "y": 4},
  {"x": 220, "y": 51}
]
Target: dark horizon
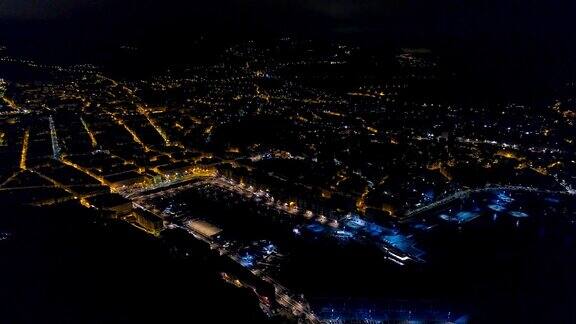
[
  {"x": 497, "y": 22},
  {"x": 528, "y": 42}
]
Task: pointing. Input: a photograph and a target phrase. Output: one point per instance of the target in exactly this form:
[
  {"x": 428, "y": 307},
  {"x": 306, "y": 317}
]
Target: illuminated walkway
[
  {"x": 24, "y": 153},
  {"x": 54, "y": 139},
  {"x": 466, "y": 193},
  {"x": 89, "y": 132}
]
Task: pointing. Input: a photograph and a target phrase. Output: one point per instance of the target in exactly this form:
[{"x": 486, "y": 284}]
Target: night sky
[
  {"x": 449, "y": 18},
  {"x": 525, "y": 39}
]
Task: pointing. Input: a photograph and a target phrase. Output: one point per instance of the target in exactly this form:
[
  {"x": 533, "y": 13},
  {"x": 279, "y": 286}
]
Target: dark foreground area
[
  {"x": 63, "y": 266},
  {"x": 68, "y": 265}
]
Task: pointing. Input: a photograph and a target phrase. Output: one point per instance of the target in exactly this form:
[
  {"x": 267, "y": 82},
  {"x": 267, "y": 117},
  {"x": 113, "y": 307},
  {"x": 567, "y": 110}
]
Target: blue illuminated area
[
  {"x": 504, "y": 196},
  {"x": 269, "y": 249},
  {"x": 397, "y": 241},
  {"x": 315, "y": 228},
  {"x": 345, "y": 235},
  {"x": 355, "y": 223},
  {"x": 552, "y": 200},
  {"x": 403, "y": 243},
  {"x": 353, "y": 227},
  {"x": 373, "y": 229},
  {"x": 356, "y": 227},
  {"x": 428, "y": 196},
  {"x": 394, "y": 313},
  {"x": 422, "y": 227},
  {"x": 465, "y": 216},
  {"x": 518, "y": 214},
  {"x": 497, "y": 208},
  {"x": 500, "y": 203},
  {"x": 247, "y": 260},
  {"x": 258, "y": 254},
  {"x": 461, "y": 217}
]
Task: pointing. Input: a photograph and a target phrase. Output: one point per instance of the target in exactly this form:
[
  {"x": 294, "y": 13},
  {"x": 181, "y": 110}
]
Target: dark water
[
  {"x": 494, "y": 270},
  {"x": 501, "y": 269},
  {"x": 66, "y": 267}
]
